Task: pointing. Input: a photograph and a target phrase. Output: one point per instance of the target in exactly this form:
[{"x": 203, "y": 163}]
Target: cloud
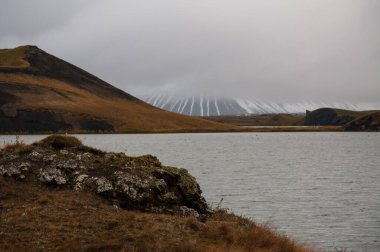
[{"x": 265, "y": 49}]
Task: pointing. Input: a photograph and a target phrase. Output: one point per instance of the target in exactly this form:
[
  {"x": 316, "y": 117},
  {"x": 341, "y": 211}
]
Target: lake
[{"x": 321, "y": 188}]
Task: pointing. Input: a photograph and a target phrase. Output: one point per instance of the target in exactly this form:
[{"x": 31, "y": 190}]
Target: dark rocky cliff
[{"x": 329, "y": 116}]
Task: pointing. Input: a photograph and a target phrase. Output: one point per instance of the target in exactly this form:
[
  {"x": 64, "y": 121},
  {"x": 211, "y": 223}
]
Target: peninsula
[{"x": 57, "y": 194}]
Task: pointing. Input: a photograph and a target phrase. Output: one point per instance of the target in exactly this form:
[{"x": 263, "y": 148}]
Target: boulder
[{"x": 135, "y": 183}]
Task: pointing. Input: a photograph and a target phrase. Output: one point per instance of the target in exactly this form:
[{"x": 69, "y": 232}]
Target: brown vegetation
[
  {"x": 60, "y": 142},
  {"x": 14, "y": 57},
  {"x": 40, "y": 218},
  {"x": 16, "y": 145},
  {"x": 367, "y": 122},
  {"x": 260, "y": 120}
]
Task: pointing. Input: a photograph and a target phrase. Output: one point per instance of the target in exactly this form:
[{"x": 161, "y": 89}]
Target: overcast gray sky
[{"x": 277, "y": 50}]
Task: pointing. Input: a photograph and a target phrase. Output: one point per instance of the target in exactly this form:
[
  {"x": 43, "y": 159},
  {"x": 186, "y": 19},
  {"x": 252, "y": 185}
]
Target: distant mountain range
[{"x": 213, "y": 106}]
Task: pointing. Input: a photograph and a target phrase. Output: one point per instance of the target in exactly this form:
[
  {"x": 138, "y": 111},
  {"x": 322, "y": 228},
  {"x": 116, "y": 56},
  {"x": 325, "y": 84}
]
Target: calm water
[{"x": 321, "y": 188}]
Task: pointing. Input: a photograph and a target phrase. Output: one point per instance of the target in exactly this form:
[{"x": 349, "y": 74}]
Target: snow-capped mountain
[
  {"x": 213, "y": 106},
  {"x": 197, "y": 106}
]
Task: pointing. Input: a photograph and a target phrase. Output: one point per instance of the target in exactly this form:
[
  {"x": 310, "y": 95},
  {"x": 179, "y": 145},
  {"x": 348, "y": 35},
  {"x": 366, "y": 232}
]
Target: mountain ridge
[
  {"x": 47, "y": 94},
  {"x": 41, "y": 63}
]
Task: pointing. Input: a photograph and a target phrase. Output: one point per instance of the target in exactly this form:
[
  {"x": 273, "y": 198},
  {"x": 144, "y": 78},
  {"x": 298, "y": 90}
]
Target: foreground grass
[{"x": 39, "y": 218}]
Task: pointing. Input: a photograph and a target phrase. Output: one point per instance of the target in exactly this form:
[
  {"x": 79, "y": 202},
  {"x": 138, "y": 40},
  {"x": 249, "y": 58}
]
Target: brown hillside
[
  {"x": 42, "y": 93},
  {"x": 332, "y": 116},
  {"x": 368, "y": 122},
  {"x": 14, "y": 57}
]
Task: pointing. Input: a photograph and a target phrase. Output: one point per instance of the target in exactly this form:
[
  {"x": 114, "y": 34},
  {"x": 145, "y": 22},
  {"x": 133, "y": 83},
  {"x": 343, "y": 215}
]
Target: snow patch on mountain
[{"x": 215, "y": 106}]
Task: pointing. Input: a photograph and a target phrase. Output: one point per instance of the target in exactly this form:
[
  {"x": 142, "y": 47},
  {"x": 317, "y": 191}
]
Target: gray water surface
[{"x": 321, "y": 188}]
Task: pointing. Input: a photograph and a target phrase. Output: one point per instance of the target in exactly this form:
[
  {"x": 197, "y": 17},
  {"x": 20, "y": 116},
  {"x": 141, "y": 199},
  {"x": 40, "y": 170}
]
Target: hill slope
[
  {"x": 367, "y": 122},
  {"x": 41, "y": 93},
  {"x": 332, "y": 116}
]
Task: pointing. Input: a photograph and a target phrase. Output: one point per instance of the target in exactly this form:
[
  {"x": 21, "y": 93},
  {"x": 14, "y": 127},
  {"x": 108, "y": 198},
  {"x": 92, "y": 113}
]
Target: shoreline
[{"x": 244, "y": 129}]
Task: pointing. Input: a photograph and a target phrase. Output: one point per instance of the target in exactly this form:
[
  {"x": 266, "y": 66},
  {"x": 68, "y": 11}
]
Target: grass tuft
[
  {"x": 60, "y": 142},
  {"x": 12, "y": 146}
]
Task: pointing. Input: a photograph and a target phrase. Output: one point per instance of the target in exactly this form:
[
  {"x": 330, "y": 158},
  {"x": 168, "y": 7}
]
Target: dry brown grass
[
  {"x": 35, "y": 218},
  {"x": 60, "y": 141},
  {"x": 13, "y": 57},
  {"x": 16, "y": 145},
  {"x": 260, "y": 120},
  {"x": 12, "y": 146},
  {"x": 367, "y": 122}
]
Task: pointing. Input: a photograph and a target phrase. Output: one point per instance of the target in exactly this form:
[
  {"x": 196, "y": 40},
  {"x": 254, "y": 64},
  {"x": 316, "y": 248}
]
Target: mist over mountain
[{"x": 202, "y": 105}]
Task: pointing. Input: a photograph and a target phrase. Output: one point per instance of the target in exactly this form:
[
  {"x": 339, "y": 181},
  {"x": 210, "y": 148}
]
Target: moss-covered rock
[
  {"x": 139, "y": 183},
  {"x": 183, "y": 184}
]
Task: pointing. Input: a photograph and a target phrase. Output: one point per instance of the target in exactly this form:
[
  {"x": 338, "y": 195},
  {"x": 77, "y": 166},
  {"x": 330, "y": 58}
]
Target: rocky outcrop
[
  {"x": 137, "y": 183},
  {"x": 328, "y": 116}
]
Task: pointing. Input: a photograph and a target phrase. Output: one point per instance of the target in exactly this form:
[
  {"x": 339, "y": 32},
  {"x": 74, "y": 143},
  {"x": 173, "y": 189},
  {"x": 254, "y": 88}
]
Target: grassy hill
[
  {"x": 324, "y": 119},
  {"x": 319, "y": 117},
  {"x": 332, "y": 116},
  {"x": 367, "y": 122},
  {"x": 42, "y": 93}
]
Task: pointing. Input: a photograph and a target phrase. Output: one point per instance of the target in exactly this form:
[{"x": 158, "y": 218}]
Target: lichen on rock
[
  {"x": 52, "y": 175},
  {"x": 15, "y": 170},
  {"x": 103, "y": 185}
]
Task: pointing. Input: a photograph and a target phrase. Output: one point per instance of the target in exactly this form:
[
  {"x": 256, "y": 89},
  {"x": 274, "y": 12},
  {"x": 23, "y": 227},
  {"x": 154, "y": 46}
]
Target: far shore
[{"x": 242, "y": 129}]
